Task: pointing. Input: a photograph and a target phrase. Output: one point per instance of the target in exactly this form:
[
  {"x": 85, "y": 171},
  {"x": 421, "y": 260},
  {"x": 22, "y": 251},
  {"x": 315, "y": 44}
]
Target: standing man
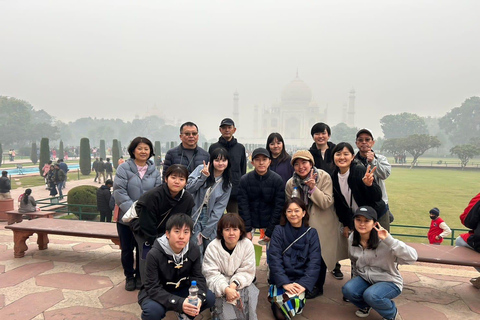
[
  {"x": 104, "y": 201},
  {"x": 261, "y": 196},
  {"x": 238, "y": 159},
  {"x": 59, "y": 178},
  {"x": 5, "y": 186},
  {"x": 101, "y": 170},
  {"x": 64, "y": 168},
  {"x": 368, "y": 157},
  {"x": 94, "y": 168},
  {"x": 187, "y": 153},
  {"x": 108, "y": 169},
  {"x": 321, "y": 148}
]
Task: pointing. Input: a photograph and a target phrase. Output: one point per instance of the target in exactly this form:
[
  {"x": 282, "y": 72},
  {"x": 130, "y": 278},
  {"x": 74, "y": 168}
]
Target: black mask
[{"x": 433, "y": 217}]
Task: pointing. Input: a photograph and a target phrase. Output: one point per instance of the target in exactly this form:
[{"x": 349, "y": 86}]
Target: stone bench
[
  {"x": 43, "y": 227},
  {"x": 13, "y": 216},
  {"x": 459, "y": 256}
]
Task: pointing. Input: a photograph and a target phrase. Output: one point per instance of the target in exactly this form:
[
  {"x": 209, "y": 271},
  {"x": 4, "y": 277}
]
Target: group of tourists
[
  {"x": 312, "y": 209},
  {"x": 102, "y": 169},
  {"x": 55, "y": 175}
]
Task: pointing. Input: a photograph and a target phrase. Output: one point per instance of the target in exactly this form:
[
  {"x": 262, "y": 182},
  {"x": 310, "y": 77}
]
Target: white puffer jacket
[{"x": 220, "y": 268}]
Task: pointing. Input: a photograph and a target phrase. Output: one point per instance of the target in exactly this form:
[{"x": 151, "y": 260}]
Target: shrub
[
  {"x": 157, "y": 149},
  {"x": 85, "y": 160},
  {"x": 44, "y": 154},
  {"x": 83, "y": 195},
  {"x": 115, "y": 153},
  {"x": 33, "y": 153}
]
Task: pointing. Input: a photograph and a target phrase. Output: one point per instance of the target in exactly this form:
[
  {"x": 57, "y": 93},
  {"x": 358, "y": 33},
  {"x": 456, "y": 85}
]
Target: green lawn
[{"x": 412, "y": 193}]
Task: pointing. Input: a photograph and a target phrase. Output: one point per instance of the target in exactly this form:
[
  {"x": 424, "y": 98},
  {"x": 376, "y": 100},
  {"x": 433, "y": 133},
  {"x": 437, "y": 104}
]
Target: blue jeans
[
  {"x": 378, "y": 296},
  {"x": 152, "y": 310},
  {"x": 60, "y": 187}
]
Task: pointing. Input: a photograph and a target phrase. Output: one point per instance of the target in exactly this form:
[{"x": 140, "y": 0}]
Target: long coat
[{"x": 324, "y": 219}]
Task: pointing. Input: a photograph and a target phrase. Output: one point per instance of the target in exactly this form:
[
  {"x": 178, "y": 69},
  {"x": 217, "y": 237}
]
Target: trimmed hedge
[
  {"x": 44, "y": 154},
  {"x": 33, "y": 153},
  {"x": 61, "y": 151},
  {"x": 83, "y": 195},
  {"x": 85, "y": 160},
  {"x": 103, "y": 153},
  {"x": 115, "y": 153}
]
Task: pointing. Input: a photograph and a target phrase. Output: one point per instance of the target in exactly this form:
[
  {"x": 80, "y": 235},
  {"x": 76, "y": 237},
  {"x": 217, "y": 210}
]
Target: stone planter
[{"x": 5, "y": 205}]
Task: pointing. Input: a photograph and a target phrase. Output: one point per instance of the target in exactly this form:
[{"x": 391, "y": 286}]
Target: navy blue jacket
[
  {"x": 301, "y": 263},
  {"x": 260, "y": 200},
  {"x": 326, "y": 164},
  {"x": 284, "y": 169}
]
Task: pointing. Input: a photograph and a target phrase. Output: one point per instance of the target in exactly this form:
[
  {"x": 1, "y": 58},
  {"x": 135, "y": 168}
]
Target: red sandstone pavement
[{"x": 78, "y": 278}]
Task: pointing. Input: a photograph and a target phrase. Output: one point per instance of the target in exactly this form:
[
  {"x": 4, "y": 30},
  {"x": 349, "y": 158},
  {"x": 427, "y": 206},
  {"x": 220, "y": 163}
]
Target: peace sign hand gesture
[
  {"x": 312, "y": 180},
  {"x": 382, "y": 233},
  {"x": 368, "y": 178},
  {"x": 205, "y": 171}
]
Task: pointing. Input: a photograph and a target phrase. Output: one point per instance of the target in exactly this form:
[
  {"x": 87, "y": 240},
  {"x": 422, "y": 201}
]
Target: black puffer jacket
[
  {"x": 103, "y": 199},
  {"x": 238, "y": 160},
  {"x": 260, "y": 200},
  {"x": 363, "y": 195}
]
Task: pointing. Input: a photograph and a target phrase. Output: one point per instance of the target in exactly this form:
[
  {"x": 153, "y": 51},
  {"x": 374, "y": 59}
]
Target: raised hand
[
  {"x": 370, "y": 156},
  {"x": 368, "y": 178},
  {"x": 312, "y": 180},
  {"x": 205, "y": 171},
  {"x": 382, "y": 233}
]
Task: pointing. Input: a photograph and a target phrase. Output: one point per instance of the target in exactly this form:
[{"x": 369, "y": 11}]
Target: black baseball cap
[
  {"x": 367, "y": 212},
  {"x": 260, "y": 151},
  {"x": 227, "y": 122}
]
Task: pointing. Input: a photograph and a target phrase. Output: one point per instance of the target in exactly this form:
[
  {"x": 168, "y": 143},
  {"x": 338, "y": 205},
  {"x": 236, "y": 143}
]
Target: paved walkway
[{"x": 78, "y": 278}]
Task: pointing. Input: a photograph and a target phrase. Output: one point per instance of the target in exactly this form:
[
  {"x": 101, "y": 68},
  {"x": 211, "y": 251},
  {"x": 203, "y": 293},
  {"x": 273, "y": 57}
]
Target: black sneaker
[
  {"x": 363, "y": 313},
  {"x": 138, "y": 283},
  {"x": 130, "y": 284},
  {"x": 337, "y": 274}
]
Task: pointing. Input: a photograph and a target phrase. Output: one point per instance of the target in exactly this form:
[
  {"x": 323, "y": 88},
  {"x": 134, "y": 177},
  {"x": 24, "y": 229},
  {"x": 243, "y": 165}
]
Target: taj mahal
[{"x": 294, "y": 115}]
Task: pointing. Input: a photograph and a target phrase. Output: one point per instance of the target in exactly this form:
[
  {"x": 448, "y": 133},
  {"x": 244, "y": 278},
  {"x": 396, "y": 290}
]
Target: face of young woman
[
  {"x": 220, "y": 165},
  {"x": 295, "y": 215},
  {"x": 231, "y": 236},
  {"x": 176, "y": 183},
  {"x": 302, "y": 167},
  {"x": 343, "y": 158},
  {"x": 142, "y": 152},
  {"x": 363, "y": 225},
  {"x": 276, "y": 147}
]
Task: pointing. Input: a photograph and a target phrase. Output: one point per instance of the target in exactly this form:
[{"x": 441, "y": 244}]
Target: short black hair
[
  {"x": 188, "y": 124},
  {"x": 178, "y": 169},
  {"x": 109, "y": 182},
  {"x": 179, "y": 220},
  {"x": 231, "y": 220},
  {"x": 320, "y": 127},
  {"x": 340, "y": 147},
  {"x": 4, "y": 173},
  {"x": 135, "y": 142}
]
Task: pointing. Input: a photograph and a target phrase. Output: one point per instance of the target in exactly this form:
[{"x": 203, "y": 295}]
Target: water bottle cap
[{"x": 194, "y": 283}]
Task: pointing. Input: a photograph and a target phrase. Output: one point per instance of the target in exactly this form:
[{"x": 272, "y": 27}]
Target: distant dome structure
[{"x": 297, "y": 91}]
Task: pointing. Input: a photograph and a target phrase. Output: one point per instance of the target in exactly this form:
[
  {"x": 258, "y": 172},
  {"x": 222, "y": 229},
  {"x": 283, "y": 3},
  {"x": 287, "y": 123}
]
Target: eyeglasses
[
  {"x": 364, "y": 140},
  {"x": 188, "y": 134}
]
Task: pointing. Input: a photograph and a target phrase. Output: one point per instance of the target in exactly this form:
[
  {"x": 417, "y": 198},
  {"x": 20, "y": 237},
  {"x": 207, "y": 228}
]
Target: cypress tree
[
  {"x": 103, "y": 154},
  {"x": 61, "y": 152},
  {"x": 33, "y": 153},
  {"x": 85, "y": 160},
  {"x": 120, "y": 152},
  {"x": 115, "y": 153},
  {"x": 158, "y": 153},
  {"x": 44, "y": 154}
]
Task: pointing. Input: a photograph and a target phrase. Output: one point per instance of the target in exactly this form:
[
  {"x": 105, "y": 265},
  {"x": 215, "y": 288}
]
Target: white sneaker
[{"x": 363, "y": 313}]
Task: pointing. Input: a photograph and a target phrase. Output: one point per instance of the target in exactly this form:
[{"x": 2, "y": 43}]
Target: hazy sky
[{"x": 116, "y": 59}]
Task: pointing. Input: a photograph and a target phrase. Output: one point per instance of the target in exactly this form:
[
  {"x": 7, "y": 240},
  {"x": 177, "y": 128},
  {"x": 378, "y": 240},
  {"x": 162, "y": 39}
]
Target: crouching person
[
  {"x": 172, "y": 264},
  {"x": 375, "y": 256}
]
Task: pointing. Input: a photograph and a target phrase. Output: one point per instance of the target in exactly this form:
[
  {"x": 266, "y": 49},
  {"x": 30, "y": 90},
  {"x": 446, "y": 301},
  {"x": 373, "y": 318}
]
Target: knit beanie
[{"x": 435, "y": 211}]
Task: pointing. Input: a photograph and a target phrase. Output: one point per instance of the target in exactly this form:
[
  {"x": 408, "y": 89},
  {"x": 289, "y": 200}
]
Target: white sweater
[{"x": 220, "y": 268}]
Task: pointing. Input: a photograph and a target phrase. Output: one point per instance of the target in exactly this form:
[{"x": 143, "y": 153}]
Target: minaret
[
  {"x": 256, "y": 132},
  {"x": 344, "y": 113},
  {"x": 236, "y": 117},
  {"x": 351, "y": 109}
]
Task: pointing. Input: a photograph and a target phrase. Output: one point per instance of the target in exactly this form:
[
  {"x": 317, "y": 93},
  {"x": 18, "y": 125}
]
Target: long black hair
[
  {"x": 372, "y": 242},
  {"x": 25, "y": 195},
  {"x": 283, "y": 154},
  {"x": 222, "y": 154}
]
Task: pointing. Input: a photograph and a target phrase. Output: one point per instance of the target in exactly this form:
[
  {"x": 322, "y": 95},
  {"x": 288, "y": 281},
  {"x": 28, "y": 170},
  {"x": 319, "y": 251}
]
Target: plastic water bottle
[
  {"x": 193, "y": 294},
  {"x": 295, "y": 193}
]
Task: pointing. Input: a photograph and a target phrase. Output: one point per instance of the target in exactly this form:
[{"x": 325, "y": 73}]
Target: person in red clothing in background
[{"x": 438, "y": 228}]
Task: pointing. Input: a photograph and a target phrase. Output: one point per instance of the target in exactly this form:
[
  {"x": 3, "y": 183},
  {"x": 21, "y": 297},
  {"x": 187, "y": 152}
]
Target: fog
[{"x": 185, "y": 59}]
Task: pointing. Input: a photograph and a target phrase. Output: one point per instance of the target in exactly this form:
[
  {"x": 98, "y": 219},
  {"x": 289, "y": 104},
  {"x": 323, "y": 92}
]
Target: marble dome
[{"x": 297, "y": 91}]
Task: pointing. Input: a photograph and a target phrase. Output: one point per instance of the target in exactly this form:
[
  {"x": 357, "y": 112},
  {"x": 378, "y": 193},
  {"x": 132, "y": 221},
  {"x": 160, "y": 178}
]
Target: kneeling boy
[{"x": 172, "y": 264}]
